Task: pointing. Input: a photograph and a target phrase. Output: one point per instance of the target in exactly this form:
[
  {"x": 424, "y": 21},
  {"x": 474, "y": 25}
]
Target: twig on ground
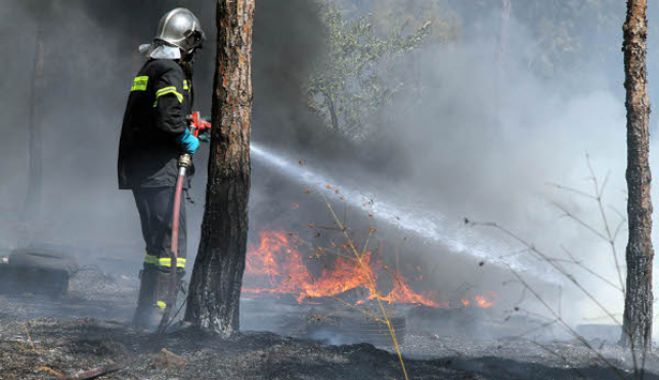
[
  {"x": 94, "y": 373},
  {"x": 52, "y": 372},
  {"x": 26, "y": 326}
]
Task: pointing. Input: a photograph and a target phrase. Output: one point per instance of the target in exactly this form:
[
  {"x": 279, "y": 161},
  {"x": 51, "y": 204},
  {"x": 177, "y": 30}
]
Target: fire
[
  {"x": 483, "y": 302},
  {"x": 279, "y": 262},
  {"x": 403, "y": 293},
  {"x": 276, "y": 260},
  {"x": 346, "y": 275}
]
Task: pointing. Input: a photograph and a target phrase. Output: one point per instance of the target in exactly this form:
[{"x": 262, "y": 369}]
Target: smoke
[
  {"x": 495, "y": 124},
  {"x": 488, "y": 134},
  {"x": 90, "y": 56},
  {"x": 482, "y": 139}
]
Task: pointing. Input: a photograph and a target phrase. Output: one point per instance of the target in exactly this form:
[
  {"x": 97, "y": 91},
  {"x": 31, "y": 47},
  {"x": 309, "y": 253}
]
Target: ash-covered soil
[
  {"x": 71, "y": 346},
  {"x": 88, "y": 331}
]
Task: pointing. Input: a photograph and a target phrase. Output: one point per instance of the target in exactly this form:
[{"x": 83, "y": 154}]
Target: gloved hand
[{"x": 188, "y": 142}]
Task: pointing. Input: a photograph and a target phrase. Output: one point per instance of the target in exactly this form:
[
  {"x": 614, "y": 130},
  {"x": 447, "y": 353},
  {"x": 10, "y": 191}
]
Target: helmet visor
[{"x": 196, "y": 39}]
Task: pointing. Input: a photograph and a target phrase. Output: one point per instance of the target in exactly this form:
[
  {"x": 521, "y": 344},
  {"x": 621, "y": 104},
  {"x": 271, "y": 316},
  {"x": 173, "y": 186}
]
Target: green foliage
[
  {"x": 571, "y": 33},
  {"x": 351, "y": 81},
  {"x": 566, "y": 35}
]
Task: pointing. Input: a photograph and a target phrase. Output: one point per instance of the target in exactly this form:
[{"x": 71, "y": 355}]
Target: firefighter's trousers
[{"x": 155, "y": 206}]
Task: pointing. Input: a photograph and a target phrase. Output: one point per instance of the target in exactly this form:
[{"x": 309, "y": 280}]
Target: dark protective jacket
[{"x": 156, "y": 116}]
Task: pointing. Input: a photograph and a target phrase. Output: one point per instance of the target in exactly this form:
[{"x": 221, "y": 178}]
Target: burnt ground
[{"x": 42, "y": 338}]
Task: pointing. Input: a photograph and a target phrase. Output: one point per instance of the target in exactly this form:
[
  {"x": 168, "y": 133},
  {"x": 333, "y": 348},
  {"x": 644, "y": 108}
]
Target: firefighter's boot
[{"x": 148, "y": 313}]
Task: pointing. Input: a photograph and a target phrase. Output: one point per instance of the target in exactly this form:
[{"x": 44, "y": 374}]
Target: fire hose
[{"x": 199, "y": 128}]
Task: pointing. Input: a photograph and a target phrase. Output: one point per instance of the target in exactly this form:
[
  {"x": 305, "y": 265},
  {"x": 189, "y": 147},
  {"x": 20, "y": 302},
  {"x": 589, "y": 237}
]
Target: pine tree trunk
[
  {"x": 502, "y": 50},
  {"x": 214, "y": 297},
  {"x": 32, "y": 204},
  {"x": 637, "y": 325}
]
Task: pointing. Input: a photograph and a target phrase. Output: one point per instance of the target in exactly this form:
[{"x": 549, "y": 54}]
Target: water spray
[{"x": 429, "y": 225}]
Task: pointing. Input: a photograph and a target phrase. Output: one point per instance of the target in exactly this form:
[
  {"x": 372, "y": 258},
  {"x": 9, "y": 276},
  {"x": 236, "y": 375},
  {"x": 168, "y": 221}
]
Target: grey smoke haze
[
  {"x": 90, "y": 56},
  {"x": 481, "y": 141},
  {"x": 484, "y": 141}
]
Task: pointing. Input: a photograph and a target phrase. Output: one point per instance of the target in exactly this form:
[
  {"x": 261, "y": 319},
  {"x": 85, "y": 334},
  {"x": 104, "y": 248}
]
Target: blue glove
[{"x": 188, "y": 142}]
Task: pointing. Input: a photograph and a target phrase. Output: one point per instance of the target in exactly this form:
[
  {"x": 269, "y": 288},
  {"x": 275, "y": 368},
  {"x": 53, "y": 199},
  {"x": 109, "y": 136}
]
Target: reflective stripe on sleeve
[
  {"x": 169, "y": 90},
  {"x": 140, "y": 83}
]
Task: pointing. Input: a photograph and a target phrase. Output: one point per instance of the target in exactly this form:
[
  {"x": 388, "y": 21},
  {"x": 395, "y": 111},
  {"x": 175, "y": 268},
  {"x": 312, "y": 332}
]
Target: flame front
[
  {"x": 403, "y": 293},
  {"x": 483, "y": 302},
  {"x": 277, "y": 260}
]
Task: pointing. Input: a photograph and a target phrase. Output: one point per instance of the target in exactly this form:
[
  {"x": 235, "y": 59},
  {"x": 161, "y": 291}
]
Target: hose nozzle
[{"x": 185, "y": 160}]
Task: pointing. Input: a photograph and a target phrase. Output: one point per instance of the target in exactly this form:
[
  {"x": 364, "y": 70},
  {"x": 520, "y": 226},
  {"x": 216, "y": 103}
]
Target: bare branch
[
  {"x": 587, "y": 226},
  {"x": 592, "y": 272},
  {"x": 554, "y": 265},
  {"x": 562, "y": 322},
  {"x": 571, "y": 190}
]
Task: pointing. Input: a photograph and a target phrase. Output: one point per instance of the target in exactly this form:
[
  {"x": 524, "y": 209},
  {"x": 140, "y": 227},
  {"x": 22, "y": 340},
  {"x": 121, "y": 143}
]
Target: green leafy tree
[
  {"x": 566, "y": 36},
  {"x": 350, "y": 82}
]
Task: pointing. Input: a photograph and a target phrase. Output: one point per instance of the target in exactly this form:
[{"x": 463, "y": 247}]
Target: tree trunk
[
  {"x": 334, "y": 118},
  {"x": 214, "y": 297},
  {"x": 637, "y": 325},
  {"x": 502, "y": 49},
  {"x": 34, "y": 188},
  {"x": 502, "y": 53}
]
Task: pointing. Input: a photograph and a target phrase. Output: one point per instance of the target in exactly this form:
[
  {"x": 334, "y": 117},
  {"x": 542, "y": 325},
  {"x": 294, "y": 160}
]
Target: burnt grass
[
  {"x": 71, "y": 346},
  {"x": 57, "y": 339},
  {"x": 68, "y": 347}
]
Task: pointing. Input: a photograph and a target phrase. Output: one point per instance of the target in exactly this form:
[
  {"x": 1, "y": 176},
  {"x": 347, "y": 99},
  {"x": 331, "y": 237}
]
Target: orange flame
[
  {"x": 346, "y": 275},
  {"x": 403, "y": 293},
  {"x": 483, "y": 302},
  {"x": 277, "y": 260}
]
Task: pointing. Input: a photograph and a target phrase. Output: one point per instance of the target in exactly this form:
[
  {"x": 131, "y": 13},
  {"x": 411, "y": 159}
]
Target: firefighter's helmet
[{"x": 181, "y": 28}]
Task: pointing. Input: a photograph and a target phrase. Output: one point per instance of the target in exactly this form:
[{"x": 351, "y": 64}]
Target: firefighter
[{"x": 154, "y": 134}]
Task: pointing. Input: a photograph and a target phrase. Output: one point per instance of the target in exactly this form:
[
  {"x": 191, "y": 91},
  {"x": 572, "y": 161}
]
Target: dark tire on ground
[
  {"x": 375, "y": 332},
  {"x": 37, "y": 272},
  {"x": 26, "y": 258},
  {"x": 352, "y": 330}
]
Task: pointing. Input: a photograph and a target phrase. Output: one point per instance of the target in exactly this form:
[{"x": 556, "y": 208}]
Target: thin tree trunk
[
  {"x": 332, "y": 110},
  {"x": 214, "y": 297},
  {"x": 637, "y": 325},
  {"x": 502, "y": 49},
  {"x": 34, "y": 188},
  {"x": 502, "y": 52}
]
